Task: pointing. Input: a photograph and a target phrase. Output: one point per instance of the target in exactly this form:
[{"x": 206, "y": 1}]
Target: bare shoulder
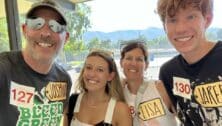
[
  {"x": 121, "y": 105},
  {"x": 122, "y": 116},
  {"x": 122, "y": 108}
]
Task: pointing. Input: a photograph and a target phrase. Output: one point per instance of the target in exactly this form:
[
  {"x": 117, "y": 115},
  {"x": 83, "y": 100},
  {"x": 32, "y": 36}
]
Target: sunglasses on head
[
  {"x": 38, "y": 23},
  {"x": 106, "y": 52}
]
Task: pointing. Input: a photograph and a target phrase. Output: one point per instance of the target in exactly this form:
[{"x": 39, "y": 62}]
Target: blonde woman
[{"x": 101, "y": 101}]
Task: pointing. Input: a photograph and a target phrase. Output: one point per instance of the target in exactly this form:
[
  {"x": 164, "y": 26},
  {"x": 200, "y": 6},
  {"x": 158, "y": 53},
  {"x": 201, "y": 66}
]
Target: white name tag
[
  {"x": 22, "y": 96},
  {"x": 181, "y": 87}
]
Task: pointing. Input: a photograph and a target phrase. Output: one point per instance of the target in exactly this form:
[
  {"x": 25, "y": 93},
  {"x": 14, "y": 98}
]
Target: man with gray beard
[{"x": 33, "y": 88}]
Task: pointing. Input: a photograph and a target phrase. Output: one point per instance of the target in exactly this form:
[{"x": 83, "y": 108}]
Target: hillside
[{"x": 149, "y": 33}]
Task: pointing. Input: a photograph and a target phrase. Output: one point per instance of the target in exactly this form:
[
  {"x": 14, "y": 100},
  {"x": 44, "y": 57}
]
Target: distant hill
[{"x": 149, "y": 33}]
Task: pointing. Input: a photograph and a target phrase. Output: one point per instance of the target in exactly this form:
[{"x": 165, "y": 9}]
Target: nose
[
  {"x": 45, "y": 32},
  {"x": 133, "y": 61},
  {"x": 181, "y": 27},
  {"x": 91, "y": 73}
]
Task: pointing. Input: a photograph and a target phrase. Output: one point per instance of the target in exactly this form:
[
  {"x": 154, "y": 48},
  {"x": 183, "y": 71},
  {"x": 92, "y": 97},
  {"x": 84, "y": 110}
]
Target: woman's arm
[{"x": 122, "y": 116}]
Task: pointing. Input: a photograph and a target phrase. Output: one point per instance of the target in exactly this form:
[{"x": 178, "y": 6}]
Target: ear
[
  {"x": 67, "y": 37},
  {"x": 208, "y": 18},
  {"x": 111, "y": 76},
  {"x": 24, "y": 29}
]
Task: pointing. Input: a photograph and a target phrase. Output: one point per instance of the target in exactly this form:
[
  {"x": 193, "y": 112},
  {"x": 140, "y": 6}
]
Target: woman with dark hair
[{"x": 147, "y": 99}]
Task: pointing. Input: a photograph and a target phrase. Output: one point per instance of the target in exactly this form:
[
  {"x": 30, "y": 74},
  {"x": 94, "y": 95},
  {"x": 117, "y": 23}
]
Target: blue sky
[{"x": 112, "y": 15}]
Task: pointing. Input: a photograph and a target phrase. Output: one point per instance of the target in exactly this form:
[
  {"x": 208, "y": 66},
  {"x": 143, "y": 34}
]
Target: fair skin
[
  {"x": 96, "y": 74},
  {"x": 43, "y": 45},
  {"x": 134, "y": 65},
  {"x": 95, "y": 100},
  {"x": 186, "y": 31}
]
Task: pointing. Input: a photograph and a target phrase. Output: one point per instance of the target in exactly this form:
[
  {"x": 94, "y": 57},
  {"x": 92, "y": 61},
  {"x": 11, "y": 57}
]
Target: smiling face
[
  {"x": 133, "y": 64},
  {"x": 43, "y": 45},
  {"x": 96, "y": 73},
  {"x": 186, "y": 29}
]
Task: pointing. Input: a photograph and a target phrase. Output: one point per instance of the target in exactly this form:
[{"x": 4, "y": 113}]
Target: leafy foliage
[
  {"x": 78, "y": 24},
  {"x": 4, "y": 40}
]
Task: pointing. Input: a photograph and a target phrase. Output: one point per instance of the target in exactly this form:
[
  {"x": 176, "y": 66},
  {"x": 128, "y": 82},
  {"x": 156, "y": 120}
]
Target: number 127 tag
[
  {"x": 21, "y": 95},
  {"x": 181, "y": 87}
]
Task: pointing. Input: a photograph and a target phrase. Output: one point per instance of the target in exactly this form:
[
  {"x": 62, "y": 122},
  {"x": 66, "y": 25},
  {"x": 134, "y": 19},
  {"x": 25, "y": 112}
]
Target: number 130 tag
[
  {"x": 181, "y": 87},
  {"x": 21, "y": 95}
]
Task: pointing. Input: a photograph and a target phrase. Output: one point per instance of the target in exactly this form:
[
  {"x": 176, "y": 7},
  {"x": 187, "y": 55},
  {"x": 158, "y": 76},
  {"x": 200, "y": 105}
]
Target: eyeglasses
[{"x": 38, "y": 23}]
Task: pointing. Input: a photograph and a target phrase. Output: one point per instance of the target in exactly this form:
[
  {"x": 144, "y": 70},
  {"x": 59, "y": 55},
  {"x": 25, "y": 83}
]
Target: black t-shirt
[
  {"x": 196, "y": 89},
  {"x": 28, "y": 97}
]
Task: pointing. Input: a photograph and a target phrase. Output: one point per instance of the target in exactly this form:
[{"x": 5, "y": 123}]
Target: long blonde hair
[{"x": 113, "y": 88}]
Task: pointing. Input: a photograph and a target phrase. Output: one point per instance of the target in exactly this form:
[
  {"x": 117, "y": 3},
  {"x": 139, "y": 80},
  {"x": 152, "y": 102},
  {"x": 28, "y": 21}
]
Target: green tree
[
  {"x": 159, "y": 42},
  {"x": 4, "y": 40},
  {"x": 106, "y": 44},
  {"x": 94, "y": 43},
  {"x": 78, "y": 24},
  {"x": 78, "y": 21}
]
